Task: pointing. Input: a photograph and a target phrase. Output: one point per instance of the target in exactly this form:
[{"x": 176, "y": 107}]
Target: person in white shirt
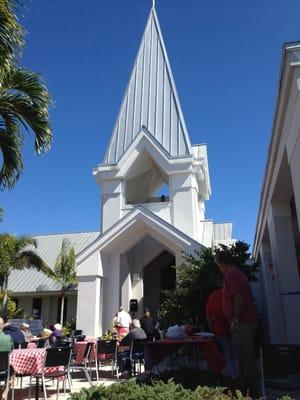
[{"x": 123, "y": 322}]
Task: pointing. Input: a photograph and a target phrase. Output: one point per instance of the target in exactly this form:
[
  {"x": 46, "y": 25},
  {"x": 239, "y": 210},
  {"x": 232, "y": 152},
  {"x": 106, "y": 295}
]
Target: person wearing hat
[
  {"x": 147, "y": 324},
  {"x": 25, "y": 328},
  {"x": 57, "y": 330}
]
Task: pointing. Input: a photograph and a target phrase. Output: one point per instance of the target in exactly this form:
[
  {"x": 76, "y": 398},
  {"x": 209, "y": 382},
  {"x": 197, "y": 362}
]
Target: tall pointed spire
[{"x": 150, "y": 100}]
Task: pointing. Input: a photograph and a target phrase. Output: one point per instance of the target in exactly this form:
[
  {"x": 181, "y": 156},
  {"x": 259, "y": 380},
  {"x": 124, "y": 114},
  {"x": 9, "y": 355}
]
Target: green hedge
[
  {"x": 131, "y": 390},
  {"x": 189, "y": 378}
]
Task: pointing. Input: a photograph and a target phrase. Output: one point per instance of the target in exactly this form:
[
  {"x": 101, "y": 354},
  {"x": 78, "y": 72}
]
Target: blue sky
[{"x": 225, "y": 57}]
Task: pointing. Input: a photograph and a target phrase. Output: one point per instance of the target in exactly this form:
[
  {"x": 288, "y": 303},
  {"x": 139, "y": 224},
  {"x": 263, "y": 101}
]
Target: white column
[
  {"x": 285, "y": 262},
  {"x": 185, "y": 205},
  {"x": 112, "y": 198},
  {"x": 293, "y": 137},
  {"x": 125, "y": 280},
  {"x": 111, "y": 299},
  {"x": 295, "y": 173},
  {"x": 274, "y": 307},
  {"x": 88, "y": 305}
]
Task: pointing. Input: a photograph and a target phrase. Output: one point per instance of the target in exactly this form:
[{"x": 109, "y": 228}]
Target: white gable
[{"x": 150, "y": 101}]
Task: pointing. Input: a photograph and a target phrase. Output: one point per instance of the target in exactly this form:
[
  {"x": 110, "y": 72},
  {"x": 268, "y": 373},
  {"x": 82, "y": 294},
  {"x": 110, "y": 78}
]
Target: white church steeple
[
  {"x": 150, "y": 100},
  {"x": 150, "y": 161}
]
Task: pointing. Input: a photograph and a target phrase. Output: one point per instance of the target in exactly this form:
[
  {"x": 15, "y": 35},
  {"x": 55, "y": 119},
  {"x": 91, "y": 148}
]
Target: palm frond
[
  {"x": 7, "y": 250},
  {"x": 10, "y": 123},
  {"x": 29, "y": 259},
  {"x": 11, "y": 34},
  {"x": 12, "y": 165},
  {"x": 30, "y": 116},
  {"x": 29, "y": 84},
  {"x": 24, "y": 242},
  {"x": 65, "y": 266}
]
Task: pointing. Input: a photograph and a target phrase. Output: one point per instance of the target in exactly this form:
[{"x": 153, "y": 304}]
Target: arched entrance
[{"x": 158, "y": 275}]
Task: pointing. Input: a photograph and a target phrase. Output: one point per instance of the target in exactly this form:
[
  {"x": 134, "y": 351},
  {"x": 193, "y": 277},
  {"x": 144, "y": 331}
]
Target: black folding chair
[
  {"x": 62, "y": 342},
  {"x": 136, "y": 354},
  {"x": 41, "y": 343},
  {"x": 57, "y": 357},
  {"x": 280, "y": 367},
  {"x": 5, "y": 370},
  {"x": 80, "y": 338},
  {"x": 108, "y": 350},
  {"x": 86, "y": 360}
]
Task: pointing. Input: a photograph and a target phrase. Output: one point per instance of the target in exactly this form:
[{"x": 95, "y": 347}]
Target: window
[{"x": 37, "y": 307}]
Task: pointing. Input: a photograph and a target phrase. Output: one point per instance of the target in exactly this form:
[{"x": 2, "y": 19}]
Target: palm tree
[
  {"x": 24, "y": 104},
  {"x": 65, "y": 272},
  {"x": 11, "y": 34},
  {"x": 24, "y": 100},
  {"x": 16, "y": 253}
]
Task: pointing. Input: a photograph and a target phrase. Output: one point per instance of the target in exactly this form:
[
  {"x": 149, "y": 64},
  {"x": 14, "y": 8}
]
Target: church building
[{"x": 154, "y": 184}]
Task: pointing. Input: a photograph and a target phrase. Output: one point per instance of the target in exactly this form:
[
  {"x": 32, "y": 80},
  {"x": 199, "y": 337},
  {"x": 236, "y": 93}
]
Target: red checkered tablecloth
[
  {"x": 79, "y": 351},
  {"x": 29, "y": 361},
  {"x": 80, "y": 348}
]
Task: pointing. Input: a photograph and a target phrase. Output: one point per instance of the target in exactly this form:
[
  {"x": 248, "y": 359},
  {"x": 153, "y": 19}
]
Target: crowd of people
[
  {"x": 14, "y": 337},
  {"x": 231, "y": 317},
  {"x": 122, "y": 323}
]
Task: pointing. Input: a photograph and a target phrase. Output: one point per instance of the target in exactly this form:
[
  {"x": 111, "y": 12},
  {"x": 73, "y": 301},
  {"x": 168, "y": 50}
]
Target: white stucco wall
[
  {"x": 162, "y": 209},
  {"x": 275, "y": 237},
  {"x": 49, "y": 306}
]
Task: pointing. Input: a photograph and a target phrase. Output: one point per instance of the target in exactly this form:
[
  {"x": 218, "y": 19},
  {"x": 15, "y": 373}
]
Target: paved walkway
[{"x": 78, "y": 382}]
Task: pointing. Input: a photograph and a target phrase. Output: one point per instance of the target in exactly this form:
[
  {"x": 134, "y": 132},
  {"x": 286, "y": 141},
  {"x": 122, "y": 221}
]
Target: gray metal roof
[
  {"x": 150, "y": 100},
  {"x": 223, "y": 231},
  {"x": 48, "y": 247}
]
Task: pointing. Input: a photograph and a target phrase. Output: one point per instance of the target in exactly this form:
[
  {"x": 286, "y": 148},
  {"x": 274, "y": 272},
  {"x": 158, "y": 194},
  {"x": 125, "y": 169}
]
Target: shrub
[
  {"x": 12, "y": 310},
  {"x": 189, "y": 378},
  {"x": 131, "y": 390}
]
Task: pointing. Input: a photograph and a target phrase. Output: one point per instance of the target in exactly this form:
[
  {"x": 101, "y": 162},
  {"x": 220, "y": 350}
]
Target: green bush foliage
[
  {"x": 13, "y": 311},
  {"x": 189, "y": 378},
  {"x": 197, "y": 278},
  {"x": 131, "y": 390}
]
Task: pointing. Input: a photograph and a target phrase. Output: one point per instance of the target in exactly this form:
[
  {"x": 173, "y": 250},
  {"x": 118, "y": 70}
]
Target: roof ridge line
[{"x": 62, "y": 233}]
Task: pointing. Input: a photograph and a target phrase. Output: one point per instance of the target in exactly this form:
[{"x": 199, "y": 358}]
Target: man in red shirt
[
  {"x": 218, "y": 324},
  {"x": 239, "y": 310}
]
